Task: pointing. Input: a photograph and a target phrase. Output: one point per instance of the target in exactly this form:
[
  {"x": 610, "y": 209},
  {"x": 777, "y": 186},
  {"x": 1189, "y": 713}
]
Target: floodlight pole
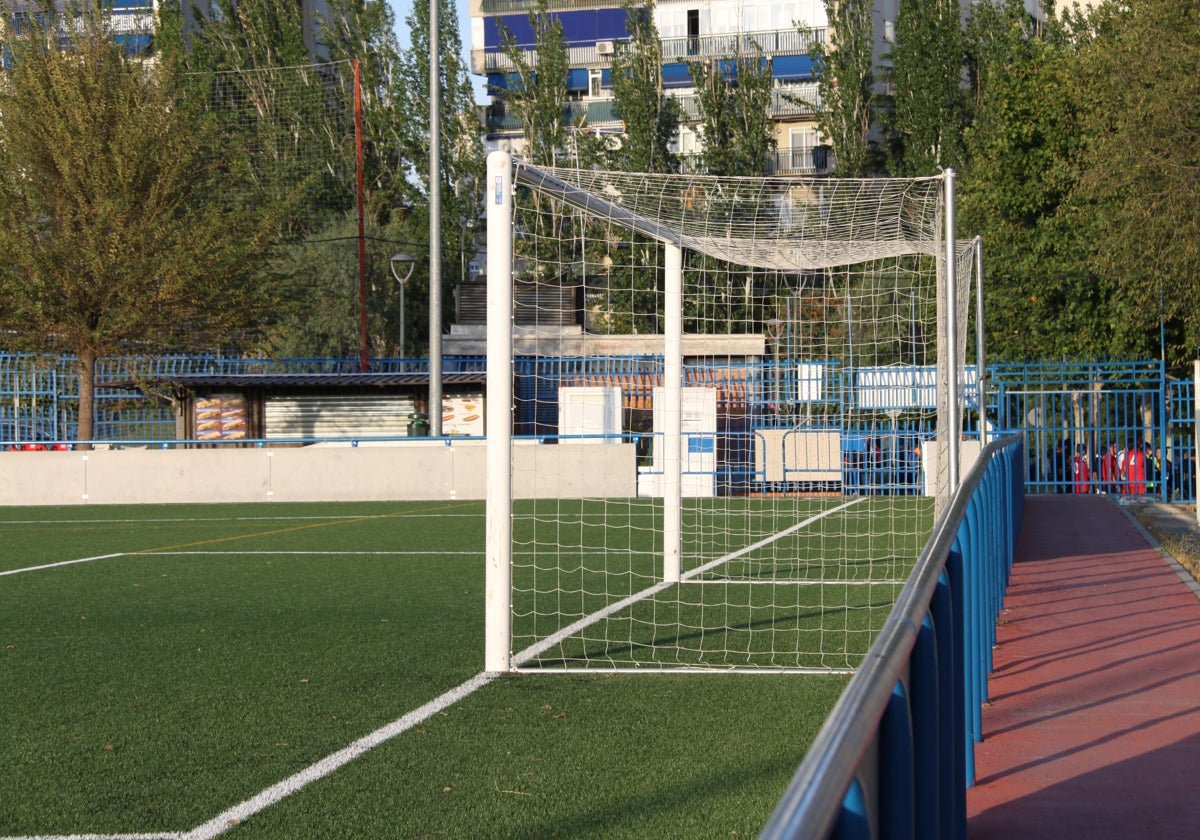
[
  {"x": 954, "y": 397},
  {"x": 435, "y": 227}
]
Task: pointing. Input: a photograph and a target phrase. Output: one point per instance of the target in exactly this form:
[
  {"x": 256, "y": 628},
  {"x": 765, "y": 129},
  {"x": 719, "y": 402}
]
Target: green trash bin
[{"x": 418, "y": 424}]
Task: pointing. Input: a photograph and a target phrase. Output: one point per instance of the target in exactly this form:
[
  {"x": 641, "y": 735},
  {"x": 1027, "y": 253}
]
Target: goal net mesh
[{"x": 729, "y": 410}]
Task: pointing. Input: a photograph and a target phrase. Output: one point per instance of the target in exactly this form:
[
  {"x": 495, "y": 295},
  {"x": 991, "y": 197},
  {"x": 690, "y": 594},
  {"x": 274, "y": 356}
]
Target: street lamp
[{"x": 402, "y": 268}]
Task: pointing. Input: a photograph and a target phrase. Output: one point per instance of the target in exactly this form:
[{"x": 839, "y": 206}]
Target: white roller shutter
[{"x": 340, "y": 416}]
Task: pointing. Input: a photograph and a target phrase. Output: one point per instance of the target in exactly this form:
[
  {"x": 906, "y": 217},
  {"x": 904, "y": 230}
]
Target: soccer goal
[{"x": 719, "y": 413}]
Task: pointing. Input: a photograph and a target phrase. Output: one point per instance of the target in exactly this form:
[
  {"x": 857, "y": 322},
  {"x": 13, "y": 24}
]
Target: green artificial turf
[{"x": 202, "y": 653}]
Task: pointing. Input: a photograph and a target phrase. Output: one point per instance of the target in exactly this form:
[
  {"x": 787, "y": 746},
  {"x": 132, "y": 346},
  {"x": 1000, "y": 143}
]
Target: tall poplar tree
[
  {"x": 650, "y": 117},
  {"x": 927, "y": 109},
  {"x": 846, "y": 84}
]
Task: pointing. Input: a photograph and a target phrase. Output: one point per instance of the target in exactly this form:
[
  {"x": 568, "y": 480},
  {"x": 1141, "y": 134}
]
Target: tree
[
  {"x": 846, "y": 85},
  {"x": 1140, "y": 169},
  {"x": 460, "y": 156},
  {"x": 650, "y": 117},
  {"x": 734, "y": 95},
  {"x": 926, "y": 113},
  {"x": 536, "y": 89},
  {"x": 1018, "y": 192},
  {"x": 119, "y": 229}
]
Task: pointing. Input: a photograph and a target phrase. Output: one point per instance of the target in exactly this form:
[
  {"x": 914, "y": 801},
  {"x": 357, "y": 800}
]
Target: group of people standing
[{"x": 1131, "y": 471}]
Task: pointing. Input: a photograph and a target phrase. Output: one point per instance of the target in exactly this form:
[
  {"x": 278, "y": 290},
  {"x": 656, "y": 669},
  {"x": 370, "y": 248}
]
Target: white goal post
[{"x": 765, "y": 341}]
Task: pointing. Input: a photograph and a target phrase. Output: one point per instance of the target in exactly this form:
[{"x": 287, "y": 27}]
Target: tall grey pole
[
  {"x": 435, "y": 226},
  {"x": 980, "y": 347},
  {"x": 954, "y": 421}
]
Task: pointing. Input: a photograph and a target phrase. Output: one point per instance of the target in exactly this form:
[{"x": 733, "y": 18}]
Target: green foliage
[
  {"x": 1044, "y": 297},
  {"x": 1139, "y": 174},
  {"x": 120, "y": 222},
  {"x": 926, "y": 111},
  {"x": 650, "y": 118},
  {"x": 537, "y": 86},
  {"x": 845, "y": 82},
  {"x": 734, "y": 94}
]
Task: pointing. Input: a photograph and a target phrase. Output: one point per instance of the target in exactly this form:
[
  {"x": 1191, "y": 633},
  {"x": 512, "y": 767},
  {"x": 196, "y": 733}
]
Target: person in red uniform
[
  {"x": 1080, "y": 470},
  {"x": 1110, "y": 473},
  {"x": 1135, "y": 471}
]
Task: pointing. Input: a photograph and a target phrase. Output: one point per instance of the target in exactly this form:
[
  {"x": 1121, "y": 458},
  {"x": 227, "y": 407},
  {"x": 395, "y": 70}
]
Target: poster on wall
[
  {"x": 462, "y": 415},
  {"x": 220, "y": 417}
]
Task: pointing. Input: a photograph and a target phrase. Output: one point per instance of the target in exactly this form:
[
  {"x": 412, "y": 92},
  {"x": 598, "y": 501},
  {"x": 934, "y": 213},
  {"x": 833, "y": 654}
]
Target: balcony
[
  {"x": 800, "y": 100},
  {"x": 596, "y": 114},
  {"x": 798, "y": 161},
  {"x": 776, "y": 42},
  {"x": 501, "y": 7},
  {"x": 787, "y": 101}
]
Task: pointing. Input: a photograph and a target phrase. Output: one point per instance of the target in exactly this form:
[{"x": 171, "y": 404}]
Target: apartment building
[{"x": 690, "y": 31}]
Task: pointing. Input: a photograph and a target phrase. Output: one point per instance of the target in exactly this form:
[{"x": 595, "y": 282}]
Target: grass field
[{"x": 269, "y": 670}]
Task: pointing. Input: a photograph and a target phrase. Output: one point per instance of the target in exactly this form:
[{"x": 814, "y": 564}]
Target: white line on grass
[
  {"x": 63, "y": 563},
  {"x": 235, "y": 816},
  {"x": 169, "y": 835},
  {"x": 243, "y": 811},
  {"x": 186, "y": 519},
  {"x": 239, "y": 813},
  {"x": 330, "y": 553}
]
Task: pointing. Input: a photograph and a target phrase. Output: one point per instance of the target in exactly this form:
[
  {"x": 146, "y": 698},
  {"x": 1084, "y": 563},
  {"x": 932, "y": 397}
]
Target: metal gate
[{"x": 1068, "y": 434}]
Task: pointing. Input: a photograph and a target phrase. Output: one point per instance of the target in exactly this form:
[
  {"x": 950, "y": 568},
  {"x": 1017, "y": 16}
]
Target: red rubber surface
[{"x": 1093, "y": 726}]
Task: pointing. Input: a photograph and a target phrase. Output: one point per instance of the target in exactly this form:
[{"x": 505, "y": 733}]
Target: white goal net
[{"x": 718, "y": 413}]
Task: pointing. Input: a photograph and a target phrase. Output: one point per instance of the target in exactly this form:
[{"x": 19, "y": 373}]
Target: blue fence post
[
  {"x": 929, "y": 771},
  {"x": 897, "y": 768}
]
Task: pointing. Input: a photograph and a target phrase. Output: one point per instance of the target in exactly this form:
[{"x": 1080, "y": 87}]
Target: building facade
[{"x": 783, "y": 31}]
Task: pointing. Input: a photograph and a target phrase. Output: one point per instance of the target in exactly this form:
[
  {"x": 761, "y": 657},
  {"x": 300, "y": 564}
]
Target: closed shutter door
[{"x": 326, "y": 416}]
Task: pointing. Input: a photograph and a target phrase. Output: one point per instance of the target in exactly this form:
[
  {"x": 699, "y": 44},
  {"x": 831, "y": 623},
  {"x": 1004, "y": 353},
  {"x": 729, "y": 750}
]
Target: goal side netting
[{"x": 718, "y": 413}]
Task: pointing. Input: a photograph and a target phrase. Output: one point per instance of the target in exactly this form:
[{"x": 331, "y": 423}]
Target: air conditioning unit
[{"x": 604, "y": 47}]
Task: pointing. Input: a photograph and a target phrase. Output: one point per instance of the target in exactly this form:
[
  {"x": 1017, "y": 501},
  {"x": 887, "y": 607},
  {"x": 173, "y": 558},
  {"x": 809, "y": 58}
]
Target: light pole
[
  {"x": 402, "y": 268},
  {"x": 775, "y": 331}
]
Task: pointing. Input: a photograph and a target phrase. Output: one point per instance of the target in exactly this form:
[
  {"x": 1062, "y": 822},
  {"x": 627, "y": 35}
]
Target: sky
[{"x": 402, "y": 9}]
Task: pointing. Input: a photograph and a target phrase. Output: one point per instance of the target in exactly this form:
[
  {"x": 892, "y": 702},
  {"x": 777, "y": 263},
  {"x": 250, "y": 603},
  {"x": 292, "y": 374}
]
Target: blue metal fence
[{"x": 1069, "y": 412}]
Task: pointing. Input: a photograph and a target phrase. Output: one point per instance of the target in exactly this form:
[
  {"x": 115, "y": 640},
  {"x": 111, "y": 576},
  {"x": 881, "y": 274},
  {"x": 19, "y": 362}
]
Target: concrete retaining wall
[{"x": 408, "y": 470}]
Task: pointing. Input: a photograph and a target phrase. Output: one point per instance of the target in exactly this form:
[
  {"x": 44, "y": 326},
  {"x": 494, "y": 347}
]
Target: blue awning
[
  {"x": 676, "y": 75},
  {"x": 577, "y": 79},
  {"x": 792, "y": 67}
]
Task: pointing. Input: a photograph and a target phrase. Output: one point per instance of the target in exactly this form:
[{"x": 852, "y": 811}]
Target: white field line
[
  {"x": 177, "y": 519},
  {"x": 800, "y": 582},
  {"x": 63, "y": 563},
  {"x": 281, "y": 790},
  {"x": 170, "y": 835},
  {"x": 243, "y": 811},
  {"x": 330, "y": 553}
]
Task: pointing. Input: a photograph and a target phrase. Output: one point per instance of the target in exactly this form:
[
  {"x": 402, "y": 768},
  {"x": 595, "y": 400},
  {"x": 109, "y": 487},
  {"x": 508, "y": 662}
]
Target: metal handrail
[{"x": 814, "y": 802}]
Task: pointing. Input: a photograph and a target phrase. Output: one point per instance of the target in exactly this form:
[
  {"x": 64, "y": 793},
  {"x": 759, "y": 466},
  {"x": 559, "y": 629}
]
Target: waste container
[{"x": 418, "y": 424}]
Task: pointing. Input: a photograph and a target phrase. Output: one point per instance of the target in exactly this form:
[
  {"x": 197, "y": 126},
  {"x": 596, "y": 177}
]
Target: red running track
[{"x": 1093, "y": 727}]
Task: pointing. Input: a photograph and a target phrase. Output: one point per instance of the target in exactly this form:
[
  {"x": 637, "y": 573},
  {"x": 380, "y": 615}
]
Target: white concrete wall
[{"x": 409, "y": 470}]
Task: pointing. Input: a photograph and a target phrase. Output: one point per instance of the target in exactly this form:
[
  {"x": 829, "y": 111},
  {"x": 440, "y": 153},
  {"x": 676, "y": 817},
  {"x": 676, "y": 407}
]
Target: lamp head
[{"x": 402, "y": 267}]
